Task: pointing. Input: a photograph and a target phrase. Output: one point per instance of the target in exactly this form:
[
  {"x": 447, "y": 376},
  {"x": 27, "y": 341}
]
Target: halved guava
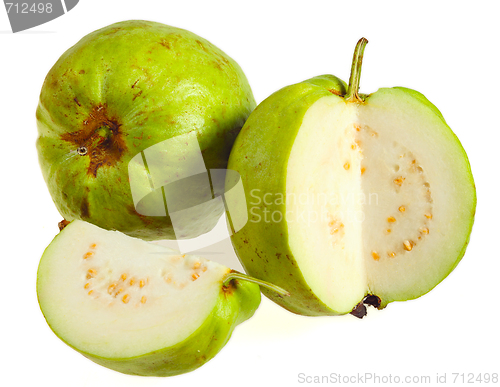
[
  {"x": 136, "y": 307},
  {"x": 351, "y": 198}
]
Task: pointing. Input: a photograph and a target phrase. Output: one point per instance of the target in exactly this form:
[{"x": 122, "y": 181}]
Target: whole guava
[{"x": 108, "y": 107}]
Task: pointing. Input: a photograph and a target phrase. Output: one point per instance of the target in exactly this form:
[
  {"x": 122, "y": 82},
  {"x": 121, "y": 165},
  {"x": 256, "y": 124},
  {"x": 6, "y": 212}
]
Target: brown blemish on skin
[
  {"x": 102, "y": 136},
  {"x": 137, "y": 95},
  {"x": 202, "y": 46},
  {"x": 77, "y": 102},
  {"x": 84, "y": 208},
  {"x": 336, "y": 92},
  {"x": 166, "y": 44}
]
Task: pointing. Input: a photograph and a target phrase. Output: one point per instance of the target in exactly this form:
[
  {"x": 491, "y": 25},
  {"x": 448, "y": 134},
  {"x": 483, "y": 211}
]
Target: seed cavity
[
  {"x": 375, "y": 255},
  {"x": 363, "y": 170},
  {"x": 335, "y": 229},
  {"x": 91, "y": 273},
  {"x": 391, "y": 219},
  {"x": 143, "y": 299},
  {"x": 123, "y": 277},
  {"x": 86, "y": 285},
  {"x": 402, "y": 208},
  {"x": 195, "y": 276},
  {"x": 428, "y": 215},
  {"x": 399, "y": 181},
  {"x": 126, "y": 299},
  {"x": 391, "y": 254},
  {"x": 111, "y": 288},
  {"x": 142, "y": 283},
  {"x": 424, "y": 230},
  {"x": 347, "y": 166},
  {"x": 407, "y": 245}
]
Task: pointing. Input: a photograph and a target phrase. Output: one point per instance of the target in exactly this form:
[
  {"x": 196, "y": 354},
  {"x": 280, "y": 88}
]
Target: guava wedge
[
  {"x": 136, "y": 307},
  {"x": 129, "y": 109},
  {"x": 352, "y": 199}
]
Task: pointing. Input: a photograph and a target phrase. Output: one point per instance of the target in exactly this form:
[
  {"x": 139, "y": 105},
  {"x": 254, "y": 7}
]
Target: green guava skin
[
  {"x": 120, "y": 90},
  {"x": 260, "y": 155}
]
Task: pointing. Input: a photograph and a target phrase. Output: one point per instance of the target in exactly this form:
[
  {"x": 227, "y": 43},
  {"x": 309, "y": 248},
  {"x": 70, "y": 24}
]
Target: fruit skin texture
[
  {"x": 260, "y": 155},
  {"x": 237, "y": 302},
  {"x": 123, "y": 89}
]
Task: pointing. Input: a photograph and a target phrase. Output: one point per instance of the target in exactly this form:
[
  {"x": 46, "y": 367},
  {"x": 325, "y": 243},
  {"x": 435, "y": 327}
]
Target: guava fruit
[
  {"x": 351, "y": 197},
  {"x": 136, "y": 307},
  {"x": 108, "y": 107}
]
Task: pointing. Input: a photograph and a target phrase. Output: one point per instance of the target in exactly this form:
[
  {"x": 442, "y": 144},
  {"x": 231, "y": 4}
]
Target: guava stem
[
  {"x": 357, "y": 60},
  {"x": 235, "y": 275}
]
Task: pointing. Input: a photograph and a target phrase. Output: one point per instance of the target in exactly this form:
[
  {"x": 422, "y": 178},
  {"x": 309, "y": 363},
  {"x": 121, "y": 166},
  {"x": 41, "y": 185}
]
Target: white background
[{"x": 448, "y": 50}]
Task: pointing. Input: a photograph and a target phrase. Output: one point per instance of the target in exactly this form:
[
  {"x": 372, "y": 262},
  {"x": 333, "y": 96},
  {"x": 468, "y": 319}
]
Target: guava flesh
[
  {"x": 381, "y": 200},
  {"x": 137, "y": 307}
]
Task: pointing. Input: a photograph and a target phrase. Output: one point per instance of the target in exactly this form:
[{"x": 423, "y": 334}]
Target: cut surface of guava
[
  {"x": 380, "y": 199},
  {"x": 114, "y": 297}
]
